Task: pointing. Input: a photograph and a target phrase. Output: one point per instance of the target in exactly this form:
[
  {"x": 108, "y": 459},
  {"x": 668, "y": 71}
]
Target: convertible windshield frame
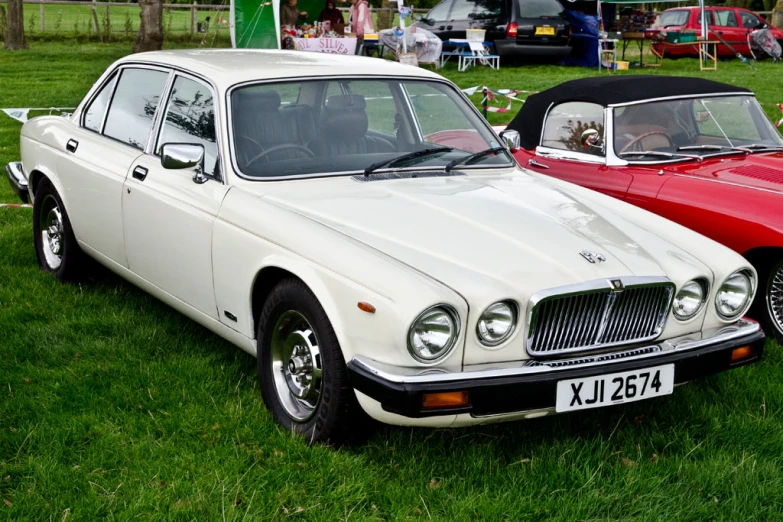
[
  {"x": 358, "y": 77},
  {"x": 731, "y": 149}
]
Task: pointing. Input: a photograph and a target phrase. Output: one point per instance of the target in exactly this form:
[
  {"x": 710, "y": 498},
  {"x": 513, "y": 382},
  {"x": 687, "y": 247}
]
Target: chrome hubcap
[
  {"x": 52, "y": 233},
  {"x": 296, "y": 365},
  {"x": 775, "y": 297}
]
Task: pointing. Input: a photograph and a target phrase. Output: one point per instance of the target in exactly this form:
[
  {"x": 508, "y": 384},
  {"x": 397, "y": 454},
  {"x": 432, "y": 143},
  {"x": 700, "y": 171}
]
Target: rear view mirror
[
  {"x": 511, "y": 139},
  {"x": 184, "y": 156},
  {"x": 591, "y": 139}
]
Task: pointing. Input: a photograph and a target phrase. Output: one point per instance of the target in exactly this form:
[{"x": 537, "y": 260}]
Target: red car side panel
[{"x": 741, "y": 218}]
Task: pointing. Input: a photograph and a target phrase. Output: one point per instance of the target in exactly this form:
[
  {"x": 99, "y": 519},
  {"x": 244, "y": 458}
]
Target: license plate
[
  {"x": 545, "y": 31},
  {"x": 614, "y": 388}
]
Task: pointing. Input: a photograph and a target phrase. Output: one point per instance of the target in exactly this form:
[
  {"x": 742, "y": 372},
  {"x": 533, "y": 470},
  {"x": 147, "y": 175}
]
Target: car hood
[
  {"x": 763, "y": 170},
  {"x": 480, "y": 235}
]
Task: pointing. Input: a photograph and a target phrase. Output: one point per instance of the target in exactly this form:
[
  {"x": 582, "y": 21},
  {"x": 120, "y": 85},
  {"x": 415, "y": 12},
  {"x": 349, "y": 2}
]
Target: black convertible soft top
[{"x": 608, "y": 90}]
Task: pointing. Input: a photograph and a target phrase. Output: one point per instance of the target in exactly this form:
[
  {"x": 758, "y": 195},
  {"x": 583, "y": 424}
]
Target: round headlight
[
  {"x": 689, "y": 299},
  {"x": 433, "y": 334},
  {"x": 497, "y": 323},
  {"x": 734, "y": 294}
]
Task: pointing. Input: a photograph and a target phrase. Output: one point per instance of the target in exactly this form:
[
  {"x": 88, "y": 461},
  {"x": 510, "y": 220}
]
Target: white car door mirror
[
  {"x": 184, "y": 156},
  {"x": 511, "y": 139}
]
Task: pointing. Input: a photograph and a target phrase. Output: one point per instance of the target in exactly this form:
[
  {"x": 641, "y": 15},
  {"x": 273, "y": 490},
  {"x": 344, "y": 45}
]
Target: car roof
[
  {"x": 226, "y": 67},
  {"x": 607, "y": 91}
]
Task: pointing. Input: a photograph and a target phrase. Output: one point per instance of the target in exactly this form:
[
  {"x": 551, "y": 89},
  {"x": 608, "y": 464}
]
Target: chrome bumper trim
[
  {"x": 18, "y": 179},
  {"x": 394, "y": 374}
]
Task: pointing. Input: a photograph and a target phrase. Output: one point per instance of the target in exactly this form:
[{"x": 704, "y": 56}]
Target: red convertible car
[{"x": 698, "y": 152}]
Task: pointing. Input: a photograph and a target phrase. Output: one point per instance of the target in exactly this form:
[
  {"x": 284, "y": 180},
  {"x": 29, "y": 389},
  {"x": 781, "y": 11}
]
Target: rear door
[
  {"x": 439, "y": 16},
  {"x": 726, "y": 25}
]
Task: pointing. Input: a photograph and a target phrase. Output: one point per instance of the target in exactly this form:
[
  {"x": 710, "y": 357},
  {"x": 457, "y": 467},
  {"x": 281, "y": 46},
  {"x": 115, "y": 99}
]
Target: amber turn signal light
[
  {"x": 444, "y": 399},
  {"x": 366, "y": 307},
  {"x": 743, "y": 352}
]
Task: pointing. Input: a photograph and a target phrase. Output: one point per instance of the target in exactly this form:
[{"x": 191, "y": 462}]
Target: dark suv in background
[{"x": 517, "y": 27}]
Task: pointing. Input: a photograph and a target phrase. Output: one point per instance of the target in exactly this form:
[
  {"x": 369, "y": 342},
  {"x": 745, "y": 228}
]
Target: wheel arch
[{"x": 763, "y": 257}]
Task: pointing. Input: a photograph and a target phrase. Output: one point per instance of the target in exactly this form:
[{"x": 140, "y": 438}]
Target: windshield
[
  {"x": 344, "y": 126},
  {"x": 697, "y": 126}
]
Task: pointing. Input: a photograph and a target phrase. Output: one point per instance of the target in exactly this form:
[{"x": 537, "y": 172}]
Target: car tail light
[
  {"x": 569, "y": 31},
  {"x": 511, "y": 30}
]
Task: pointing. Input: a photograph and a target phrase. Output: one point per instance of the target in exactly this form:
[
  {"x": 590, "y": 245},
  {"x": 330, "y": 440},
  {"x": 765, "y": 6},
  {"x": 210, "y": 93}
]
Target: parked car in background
[
  {"x": 698, "y": 152},
  {"x": 731, "y": 23},
  {"x": 516, "y": 27},
  {"x": 306, "y": 208}
]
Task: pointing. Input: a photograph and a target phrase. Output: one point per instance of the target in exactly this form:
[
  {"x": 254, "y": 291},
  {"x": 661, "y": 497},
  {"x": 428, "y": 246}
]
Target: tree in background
[
  {"x": 14, "y": 30},
  {"x": 150, "y": 35}
]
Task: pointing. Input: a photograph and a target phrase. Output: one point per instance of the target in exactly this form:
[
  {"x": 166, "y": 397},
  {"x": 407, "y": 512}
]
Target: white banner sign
[{"x": 326, "y": 45}]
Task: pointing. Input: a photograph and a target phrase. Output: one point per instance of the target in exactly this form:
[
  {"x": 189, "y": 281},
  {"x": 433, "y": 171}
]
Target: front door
[{"x": 168, "y": 217}]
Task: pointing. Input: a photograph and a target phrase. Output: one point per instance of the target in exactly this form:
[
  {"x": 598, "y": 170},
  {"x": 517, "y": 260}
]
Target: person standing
[
  {"x": 332, "y": 15},
  {"x": 290, "y": 15},
  {"x": 361, "y": 21}
]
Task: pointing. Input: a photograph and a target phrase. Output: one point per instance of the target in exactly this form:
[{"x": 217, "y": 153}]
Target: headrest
[
  {"x": 251, "y": 101},
  {"x": 343, "y": 125},
  {"x": 346, "y": 102}
]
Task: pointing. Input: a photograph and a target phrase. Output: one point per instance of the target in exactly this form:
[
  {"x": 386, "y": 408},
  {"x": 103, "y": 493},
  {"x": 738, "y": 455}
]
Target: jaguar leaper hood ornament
[{"x": 593, "y": 257}]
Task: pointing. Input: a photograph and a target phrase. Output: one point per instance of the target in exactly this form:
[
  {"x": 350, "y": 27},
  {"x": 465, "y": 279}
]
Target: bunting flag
[
  {"x": 16, "y": 205},
  {"x": 22, "y": 114},
  {"x": 780, "y": 121},
  {"x": 492, "y": 95}
]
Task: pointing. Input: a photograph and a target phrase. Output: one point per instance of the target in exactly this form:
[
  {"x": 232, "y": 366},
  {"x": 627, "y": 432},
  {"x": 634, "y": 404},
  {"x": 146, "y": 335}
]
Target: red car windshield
[{"x": 700, "y": 126}]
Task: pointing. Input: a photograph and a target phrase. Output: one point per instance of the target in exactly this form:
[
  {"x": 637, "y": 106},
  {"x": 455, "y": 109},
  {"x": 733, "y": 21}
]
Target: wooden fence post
[
  {"x": 95, "y": 18},
  {"x": 193, "y": 19},
  {"x": 108, "y": 24},
  {"x": 43, "y": 26}
]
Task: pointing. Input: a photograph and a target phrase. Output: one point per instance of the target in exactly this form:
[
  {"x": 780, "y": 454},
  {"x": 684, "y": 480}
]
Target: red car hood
[{"x": 760, "y": 170}]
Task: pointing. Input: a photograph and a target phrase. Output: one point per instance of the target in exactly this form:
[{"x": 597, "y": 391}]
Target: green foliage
[{"x": 115, "y": 407}]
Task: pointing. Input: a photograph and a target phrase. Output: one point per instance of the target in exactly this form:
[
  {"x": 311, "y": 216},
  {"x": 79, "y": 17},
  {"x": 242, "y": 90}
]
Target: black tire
[
  {"x": 336, "y": 416},
  {"x": 767, "y": 307},
  {"x": 66, "y": 261}
]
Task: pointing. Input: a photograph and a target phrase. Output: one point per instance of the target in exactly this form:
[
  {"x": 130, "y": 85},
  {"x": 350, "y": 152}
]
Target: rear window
[
  {"x": 540, "y": 9},
  {"x": 676, "y": 17}
]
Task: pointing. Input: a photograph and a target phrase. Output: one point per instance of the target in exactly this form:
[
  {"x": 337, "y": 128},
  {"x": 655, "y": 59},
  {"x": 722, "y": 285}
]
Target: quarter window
[
  {"x": 566, "y": 123},
  {"x": 93, "y": 116},
  {"x": 190, "y": 118},
  {"x": 133, "y": 106}
]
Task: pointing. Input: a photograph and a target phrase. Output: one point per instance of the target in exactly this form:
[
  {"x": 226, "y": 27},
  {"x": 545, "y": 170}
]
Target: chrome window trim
[
  {"x": 114, "y": 75},
  {"x": 216, "y": 106},
  {"x": 421, "y": 375},
  {"x": 158, "y": 117},
  {"x": 596, "y": 285},
  {"x": 680, "y": 97},
  {"x": 230, "y": 130}
]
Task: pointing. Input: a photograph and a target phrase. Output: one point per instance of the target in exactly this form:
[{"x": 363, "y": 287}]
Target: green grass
[{"x": 115, "y": 407}]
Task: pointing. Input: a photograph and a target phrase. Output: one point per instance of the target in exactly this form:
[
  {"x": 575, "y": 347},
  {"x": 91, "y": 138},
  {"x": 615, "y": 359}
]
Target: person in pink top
[{"x": 361, "y": 21}]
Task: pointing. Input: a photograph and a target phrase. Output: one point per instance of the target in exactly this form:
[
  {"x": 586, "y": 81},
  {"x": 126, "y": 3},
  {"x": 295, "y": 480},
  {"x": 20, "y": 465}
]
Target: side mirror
[
  {"x": 184, "y": 156},
  {"x": 511, "y": 140},
  {"x": 591, "y": 139}
]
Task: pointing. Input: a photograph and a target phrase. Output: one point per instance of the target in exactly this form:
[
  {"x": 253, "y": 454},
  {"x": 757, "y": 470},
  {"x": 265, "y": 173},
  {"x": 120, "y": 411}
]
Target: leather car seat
[{"x": 343, "y": 129}]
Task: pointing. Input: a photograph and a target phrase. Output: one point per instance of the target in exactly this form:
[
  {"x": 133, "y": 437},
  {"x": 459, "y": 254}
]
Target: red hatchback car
[
  {"x": 730, "y": 23},
  {"x": 698, "y": 152}
]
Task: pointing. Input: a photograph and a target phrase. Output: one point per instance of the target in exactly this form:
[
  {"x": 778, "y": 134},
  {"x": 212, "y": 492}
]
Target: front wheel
[
  {"x": 768, "y": 308},
  {"x": 303, "y": 377}
]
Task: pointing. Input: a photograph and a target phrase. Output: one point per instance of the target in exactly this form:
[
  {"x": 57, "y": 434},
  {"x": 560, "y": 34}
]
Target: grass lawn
[{"x": 115, "y": 407}]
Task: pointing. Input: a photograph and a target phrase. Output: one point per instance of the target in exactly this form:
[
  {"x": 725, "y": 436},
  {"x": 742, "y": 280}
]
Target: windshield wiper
[
  {"x": 411, "y": 155},
  {"x": 662, "y": 154},
  {"x": 747, "y": 149},
  {"x": 760, "y": 146},
  {"x": 471, "y": 157}
]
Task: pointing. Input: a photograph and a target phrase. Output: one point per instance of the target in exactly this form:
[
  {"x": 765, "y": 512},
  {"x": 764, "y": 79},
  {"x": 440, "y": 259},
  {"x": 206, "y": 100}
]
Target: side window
[
  {"x": 462, "y": 10},
  {"x": 380, "y": 104},
  {"x": 440, "y": 12},
  {"x": 190, "y": 118},
  {"x": 486, "y": 9},
  {"x": 725, "y": 18},
  {"x": 566, "y": 123},
  {"x": 749, "y": 20},
  {"x": 93, "y": 116},
  {"x": 133, "y": 106}
]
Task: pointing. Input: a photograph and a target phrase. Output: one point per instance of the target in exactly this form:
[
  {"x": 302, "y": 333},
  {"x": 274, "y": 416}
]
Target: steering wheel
[
  {"x": 645, "y": 135},
  {"x": 283, "y": 146}
]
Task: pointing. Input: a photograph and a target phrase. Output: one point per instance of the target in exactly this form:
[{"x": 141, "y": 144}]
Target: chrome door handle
[
  {"x": 72, "y": 145},
  {"x": 534, "y": 163},
  {"x": 140, "y": 173}
]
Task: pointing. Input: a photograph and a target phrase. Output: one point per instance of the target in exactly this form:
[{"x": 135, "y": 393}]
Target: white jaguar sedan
[{"x": 357, "y": 225}]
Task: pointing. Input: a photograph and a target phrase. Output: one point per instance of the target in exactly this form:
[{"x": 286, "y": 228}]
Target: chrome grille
[{"x": 598, "y": 318}]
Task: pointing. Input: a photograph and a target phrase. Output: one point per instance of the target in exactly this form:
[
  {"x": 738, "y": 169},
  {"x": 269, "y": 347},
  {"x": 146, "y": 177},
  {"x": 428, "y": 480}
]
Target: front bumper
[
  {"x": 18, "y": 180},
  {"x": 531, "y": 385}
]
